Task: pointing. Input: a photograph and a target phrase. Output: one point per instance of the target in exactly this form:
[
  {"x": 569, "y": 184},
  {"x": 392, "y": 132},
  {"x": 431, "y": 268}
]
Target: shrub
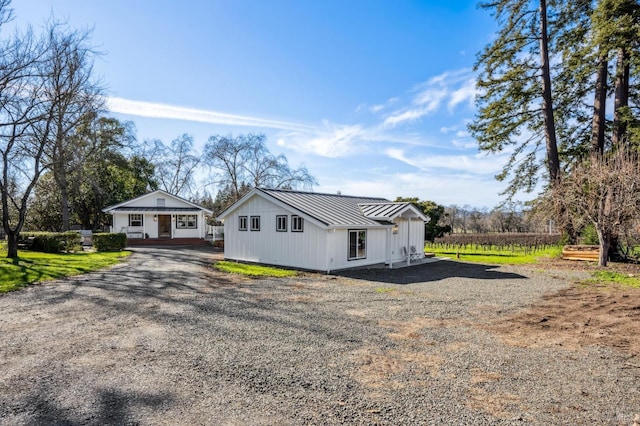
[
  {"x": 52, "y": 242},
  {"x": 589, "y": 235},
  {"x": 106, "y": 241}
]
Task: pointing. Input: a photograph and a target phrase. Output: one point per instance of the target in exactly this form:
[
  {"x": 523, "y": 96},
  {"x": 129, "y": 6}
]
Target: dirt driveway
[{"x": 164, "y": 339}]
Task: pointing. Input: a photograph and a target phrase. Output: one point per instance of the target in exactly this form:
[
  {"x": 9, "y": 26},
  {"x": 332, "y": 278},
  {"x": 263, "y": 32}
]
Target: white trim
[
  {"x": 256, "y": 191},
  {"x": 157, "y": 191},
  {"x": 411, "y": 207},
  {"x": 366, "y": 244}
]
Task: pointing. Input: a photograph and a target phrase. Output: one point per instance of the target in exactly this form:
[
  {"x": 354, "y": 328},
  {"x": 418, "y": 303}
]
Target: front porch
[{"x": 132, "y": 242}]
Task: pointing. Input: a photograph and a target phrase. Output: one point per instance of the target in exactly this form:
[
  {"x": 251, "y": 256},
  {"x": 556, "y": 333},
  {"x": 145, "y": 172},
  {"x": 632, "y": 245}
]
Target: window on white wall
[
  {"x": 187, "y": 221},
  {"x": 135, "y": 220},
  {"x": 242, "y": 223},
  {"x": 255, "y": 223},
  {"x": 281, "y": 223},
  {"x": 297, "y": 224},
  {"x": 357, "y": 244},
  {"x": 160, "y": 202}
]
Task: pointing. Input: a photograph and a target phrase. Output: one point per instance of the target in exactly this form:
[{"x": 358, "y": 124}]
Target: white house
[
  {"x": 159, "y": 214},
  {"x": 322, "y": 232}
]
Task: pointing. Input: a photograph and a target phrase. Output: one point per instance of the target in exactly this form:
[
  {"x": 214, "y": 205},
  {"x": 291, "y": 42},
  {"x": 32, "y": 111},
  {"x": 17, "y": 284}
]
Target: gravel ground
[{"x": 163, "y": 339}]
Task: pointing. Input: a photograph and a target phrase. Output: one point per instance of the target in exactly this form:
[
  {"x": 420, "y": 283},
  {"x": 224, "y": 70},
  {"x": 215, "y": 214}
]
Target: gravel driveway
[{"x": 163, "y": 339}]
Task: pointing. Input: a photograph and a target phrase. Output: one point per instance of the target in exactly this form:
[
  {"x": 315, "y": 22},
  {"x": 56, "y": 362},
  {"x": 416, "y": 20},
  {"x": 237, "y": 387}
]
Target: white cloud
[
  {"x": 465, "y": 144},
  {"x": 478, "y": 164},
  {"x": 333, "y": 140},
  {"x": 445, "y": 189},
  {"x": 406, "y": 115},
  {"x": 456, "y": 86},
  {"x": 431, "y": 98},
  {"x": 158, "y": 110},
  {"x": 449, "y": 78},
  {"x": 467, "y": 92},
  {"x": 329, "y": 141}
]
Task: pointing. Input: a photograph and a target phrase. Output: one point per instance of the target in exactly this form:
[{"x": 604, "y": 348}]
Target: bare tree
[
  {"x": 175, "y": 165},
  {"x": 605, "y": 191},
  {"x": 245, "y": 161},
  {"x": 31, "y": 109},
  {"x": 477, "y": 222},
  {"x": 74, "y": 95},
  {"x": 24, "y": 129}
]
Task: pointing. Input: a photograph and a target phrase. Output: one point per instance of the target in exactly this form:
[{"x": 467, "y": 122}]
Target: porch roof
[{"x": 155, "y": 209}]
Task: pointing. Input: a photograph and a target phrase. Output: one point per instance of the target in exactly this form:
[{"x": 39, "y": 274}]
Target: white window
[
  {"x": 255, "y": 223},
  {"x": 357, "y": 244},
  {"x": 135, "y": 220},
  {"x": 281, "y": 223},
  {"x": 187, "y": 221},
  {"x": 242, "y": 223},
  {"x": 160, "y": 202},
  {"x": 297, "y": 224}
]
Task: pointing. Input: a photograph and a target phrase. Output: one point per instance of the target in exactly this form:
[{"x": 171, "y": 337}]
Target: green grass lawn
[
  {"x": 496, "y": 257},
  {"x": 617, "y": 278},
  {"x": 253, "y": 270},
  {"x": 33, "y": 267}
]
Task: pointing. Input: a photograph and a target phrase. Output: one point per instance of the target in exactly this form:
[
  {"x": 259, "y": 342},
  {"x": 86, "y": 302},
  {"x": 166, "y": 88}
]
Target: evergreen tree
[{"x": 515, "y": 102}]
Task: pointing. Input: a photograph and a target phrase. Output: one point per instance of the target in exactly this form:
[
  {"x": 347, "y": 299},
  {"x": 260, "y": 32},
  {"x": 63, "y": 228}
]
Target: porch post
[
  {"x": 388, "y": 249},
  {"x": 408, "y": 240}
]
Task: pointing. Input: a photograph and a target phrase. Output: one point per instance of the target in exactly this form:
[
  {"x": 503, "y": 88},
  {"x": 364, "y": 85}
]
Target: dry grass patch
[{"x": 577, "y": 317}]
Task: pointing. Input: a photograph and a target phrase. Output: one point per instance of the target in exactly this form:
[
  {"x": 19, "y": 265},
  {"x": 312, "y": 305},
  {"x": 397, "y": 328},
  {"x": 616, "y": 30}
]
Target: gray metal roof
[
  {"x": 333, "y": 209},
  {"x": 122, "y": 206},
  {"x": 382, "y": 211},
  {"x": 156, "y": 209}
]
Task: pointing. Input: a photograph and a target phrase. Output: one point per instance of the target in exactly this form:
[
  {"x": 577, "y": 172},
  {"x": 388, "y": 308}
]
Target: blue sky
[{"x": 372, "y": 96}]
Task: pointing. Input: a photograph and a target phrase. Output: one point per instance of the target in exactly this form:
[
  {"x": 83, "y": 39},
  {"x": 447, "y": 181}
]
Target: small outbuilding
[
  {"x": 159, "y": 215},
  {"x": 322, "y": 232}
]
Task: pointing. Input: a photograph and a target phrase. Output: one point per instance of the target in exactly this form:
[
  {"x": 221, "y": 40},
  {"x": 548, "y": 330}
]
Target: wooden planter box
[{"x": 581, "y": 252}]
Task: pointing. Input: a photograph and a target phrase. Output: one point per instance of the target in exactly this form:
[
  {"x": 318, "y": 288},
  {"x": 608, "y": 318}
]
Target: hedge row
[
  {"x": 71, "y": 241},
  {"x": 109, "y": 242},
  {"x": 52, "y": 242}
]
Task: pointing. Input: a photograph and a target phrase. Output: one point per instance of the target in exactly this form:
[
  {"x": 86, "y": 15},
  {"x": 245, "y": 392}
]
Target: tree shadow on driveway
[{"x": 429, "y": 272}]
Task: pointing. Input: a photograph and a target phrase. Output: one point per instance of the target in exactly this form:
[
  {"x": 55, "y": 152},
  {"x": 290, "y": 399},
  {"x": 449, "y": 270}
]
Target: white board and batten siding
[
  {"x": 324, "y": 243},
  {"x": 304, "y": 250},
  {"x": 401, "y": 239},
  {"x": 153, "y": 205},
  {"x": 152, "y": 200},
  {"x": 316, "y": 248},
  {"x": 339, "y": 248}
]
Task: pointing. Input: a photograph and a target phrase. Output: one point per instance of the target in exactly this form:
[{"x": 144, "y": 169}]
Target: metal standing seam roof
[
  {"x": 381, "y": 210},
  {"x": 123, "y": 205},
  {"x": 335, "y": 209},
  {"x": 156, "y": 209}
]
